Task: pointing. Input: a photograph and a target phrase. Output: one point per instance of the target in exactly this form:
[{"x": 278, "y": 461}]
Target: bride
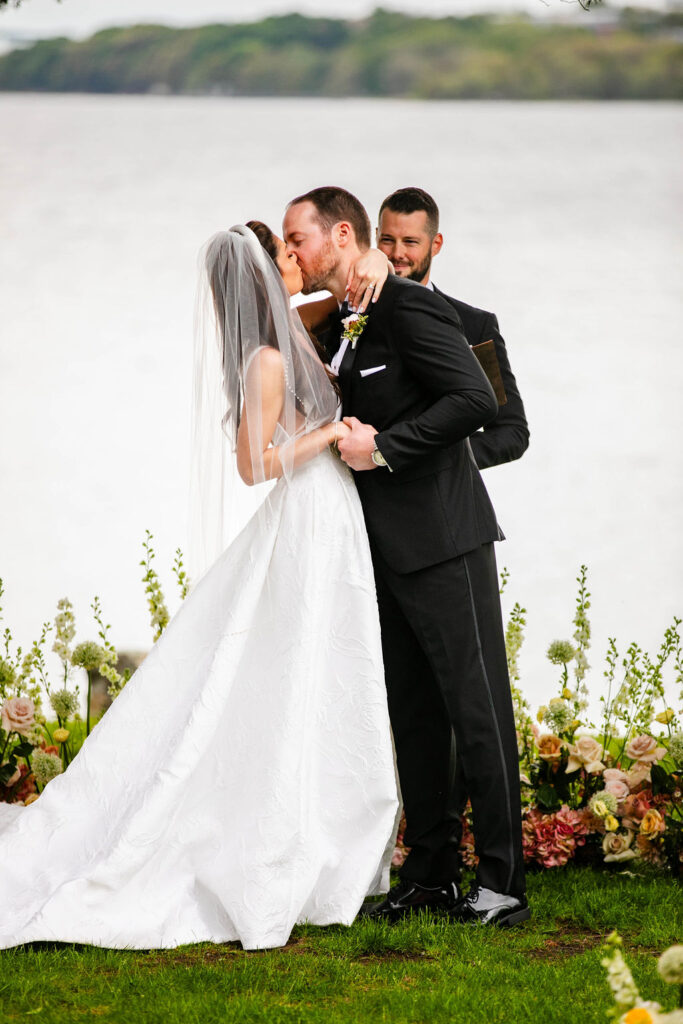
[{"x": 243, "y": 781}]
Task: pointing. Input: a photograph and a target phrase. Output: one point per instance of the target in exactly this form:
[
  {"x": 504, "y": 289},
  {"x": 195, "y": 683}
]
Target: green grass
[{"x": 425, "y": 970}]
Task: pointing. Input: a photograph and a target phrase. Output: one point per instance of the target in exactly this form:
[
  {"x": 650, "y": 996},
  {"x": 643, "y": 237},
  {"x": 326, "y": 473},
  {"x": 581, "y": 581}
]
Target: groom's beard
[{"x": 319, "y": 273}]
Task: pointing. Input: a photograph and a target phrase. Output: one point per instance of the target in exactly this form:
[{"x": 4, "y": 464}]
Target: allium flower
[
  {"x": 602, "y": 804},
  {"x": 676, "y": 749},
  {"x": 670, "y": 965},
  {"x": 550, "y": 748},
  {"x": 60, "y": 735},
  {"x": 644, "y": 749},
  {"x": 90, "y": 656},
  {"x": 585, "y": 753},
  {"x": 558, "y": 715},
  {"x": 18, "y": 714},
  {"x": 652, "y": 824},
  {"x": 561, "y": 652},
  {"x": 64, "y": 703},
  {"x": 45, "y": 766},
  {"x": 617, "y": 847}
]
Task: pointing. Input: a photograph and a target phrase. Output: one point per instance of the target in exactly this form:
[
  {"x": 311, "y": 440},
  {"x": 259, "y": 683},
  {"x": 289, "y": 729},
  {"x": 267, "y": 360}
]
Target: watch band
[{"x": 378, "y": 458}]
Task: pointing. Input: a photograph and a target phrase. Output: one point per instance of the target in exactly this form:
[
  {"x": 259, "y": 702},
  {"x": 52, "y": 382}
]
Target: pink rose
[
  {"x": 18, "y": 714},
  {"x": 616, "y": 783},
  {"x": 644, "y": 749},
  {"x": 585, "y": 753}
]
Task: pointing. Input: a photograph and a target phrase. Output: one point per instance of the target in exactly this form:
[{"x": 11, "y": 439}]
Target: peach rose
[
  {"x": 617, "y": 847},
  {"x": 550, "y": 747},
  {"x": 637, "y": 774},
  {"x": 652, "y": 824},
  {"x": 585, "y": 753},
  {"x": 18, "y": 714},
  {"x": 616, "y": 783},
  {"x": 644, "y": 749}
]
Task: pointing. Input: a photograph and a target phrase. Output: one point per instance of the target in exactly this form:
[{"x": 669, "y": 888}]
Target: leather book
[{"x": 488, "y": 360}]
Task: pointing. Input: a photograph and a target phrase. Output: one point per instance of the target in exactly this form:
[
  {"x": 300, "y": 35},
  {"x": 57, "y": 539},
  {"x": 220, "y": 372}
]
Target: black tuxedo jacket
[
  {"x": 506, "y": 437},
  {"x": 414, "y": 377}
]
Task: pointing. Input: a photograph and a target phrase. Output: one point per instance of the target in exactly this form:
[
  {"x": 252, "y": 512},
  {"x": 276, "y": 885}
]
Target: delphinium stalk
[
  {"x": 611, "y": 658},
  {"x": 181, "y": 576},
  {"x": 155, "y": 598}
]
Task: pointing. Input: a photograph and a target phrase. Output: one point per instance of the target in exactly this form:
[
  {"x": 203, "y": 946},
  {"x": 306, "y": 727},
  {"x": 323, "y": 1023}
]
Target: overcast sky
[{"x": 82, "y": 17}]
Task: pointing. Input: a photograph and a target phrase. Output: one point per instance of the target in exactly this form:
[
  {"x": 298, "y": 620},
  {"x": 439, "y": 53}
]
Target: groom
[{"x": 412, "y": 394}]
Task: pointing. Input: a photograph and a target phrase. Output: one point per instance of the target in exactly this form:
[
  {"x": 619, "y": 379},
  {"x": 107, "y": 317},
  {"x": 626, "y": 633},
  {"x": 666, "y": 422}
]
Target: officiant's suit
[{"x": 431, "y": 525}]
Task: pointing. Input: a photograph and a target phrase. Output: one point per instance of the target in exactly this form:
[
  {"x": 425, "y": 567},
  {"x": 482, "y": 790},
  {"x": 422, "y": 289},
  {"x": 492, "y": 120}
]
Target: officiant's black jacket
[
  {"x": 506, "y": 437},
  {"x": 425, "y": 395}
]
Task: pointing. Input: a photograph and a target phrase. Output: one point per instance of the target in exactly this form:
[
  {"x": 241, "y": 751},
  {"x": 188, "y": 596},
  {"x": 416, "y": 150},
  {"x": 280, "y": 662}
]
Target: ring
[{"x": 370, "y": 286}]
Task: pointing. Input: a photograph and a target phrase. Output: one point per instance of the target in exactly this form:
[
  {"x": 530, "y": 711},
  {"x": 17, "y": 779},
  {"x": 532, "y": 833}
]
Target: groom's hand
[{"x": 357, "y": 447}]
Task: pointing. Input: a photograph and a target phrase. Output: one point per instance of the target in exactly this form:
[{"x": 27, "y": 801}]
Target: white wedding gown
[{"x": 244, "y": 779}]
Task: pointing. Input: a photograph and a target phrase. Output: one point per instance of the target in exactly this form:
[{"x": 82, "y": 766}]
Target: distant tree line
[{"x": 636, "y": 55}]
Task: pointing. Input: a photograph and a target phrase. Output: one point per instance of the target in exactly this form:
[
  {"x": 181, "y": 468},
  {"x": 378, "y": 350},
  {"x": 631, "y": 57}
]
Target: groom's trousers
[{"x": 446, "y": 675}]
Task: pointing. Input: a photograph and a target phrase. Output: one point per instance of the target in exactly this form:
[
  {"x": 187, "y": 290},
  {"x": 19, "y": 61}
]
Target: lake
[{"x": 562, "y": 218}]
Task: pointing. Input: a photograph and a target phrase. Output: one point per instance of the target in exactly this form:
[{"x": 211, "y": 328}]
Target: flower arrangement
[
  {"x": 629, "y": 1007},
  {"x": 353, "y": 325},
  {"x": 34, "y": 751},
  {"x": 610, "y": 794}
]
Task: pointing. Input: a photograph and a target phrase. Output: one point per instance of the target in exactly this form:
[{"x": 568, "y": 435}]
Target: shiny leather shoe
[
  {"x": 482, "y": 906},
  {"x": 410, "y": 897}
]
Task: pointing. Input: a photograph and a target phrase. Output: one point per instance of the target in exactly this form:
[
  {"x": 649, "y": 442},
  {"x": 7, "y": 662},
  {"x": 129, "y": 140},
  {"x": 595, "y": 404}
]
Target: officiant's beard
[
  {"x": 417, "y": 273},
  {"x": 321, "y": 269}
]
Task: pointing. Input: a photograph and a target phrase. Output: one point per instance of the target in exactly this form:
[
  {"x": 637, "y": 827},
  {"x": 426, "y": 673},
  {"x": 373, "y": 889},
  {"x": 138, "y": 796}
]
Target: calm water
[{"x": 561, "y": 218}]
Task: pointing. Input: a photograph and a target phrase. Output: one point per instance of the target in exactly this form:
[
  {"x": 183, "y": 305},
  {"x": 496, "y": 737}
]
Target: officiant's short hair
[
  {"x": 410, "y": 200},
  {"x": 336, "y": 204}
]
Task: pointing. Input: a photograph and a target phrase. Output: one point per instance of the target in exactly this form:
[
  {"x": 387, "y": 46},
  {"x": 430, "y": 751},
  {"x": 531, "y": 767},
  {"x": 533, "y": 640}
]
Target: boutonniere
[{"x": 353, "y": 325}]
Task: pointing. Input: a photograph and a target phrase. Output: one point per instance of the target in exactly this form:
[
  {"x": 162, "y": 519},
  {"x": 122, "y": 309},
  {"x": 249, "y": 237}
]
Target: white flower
[
  {"x": 670, "y": 965},
  {"x": 45, "y": 766}
]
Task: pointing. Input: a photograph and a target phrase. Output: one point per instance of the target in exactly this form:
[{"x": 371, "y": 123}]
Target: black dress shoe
[
  {"x": 485, "y": 907},
  {"x": 409, "y": 898}
]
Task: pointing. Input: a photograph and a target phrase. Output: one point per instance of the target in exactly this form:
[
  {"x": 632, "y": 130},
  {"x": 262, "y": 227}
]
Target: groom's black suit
[{"x": 431, "y": 526}]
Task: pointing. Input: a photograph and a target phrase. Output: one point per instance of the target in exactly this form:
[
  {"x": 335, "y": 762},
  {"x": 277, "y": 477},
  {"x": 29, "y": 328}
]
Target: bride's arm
[
  {"x": 364, "y": 285},
  {"x": 264, "y": 395}
]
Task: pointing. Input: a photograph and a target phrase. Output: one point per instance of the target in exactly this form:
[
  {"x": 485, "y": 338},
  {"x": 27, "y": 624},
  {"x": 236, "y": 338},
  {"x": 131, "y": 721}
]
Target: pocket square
[{"x": 373, "y": 369}]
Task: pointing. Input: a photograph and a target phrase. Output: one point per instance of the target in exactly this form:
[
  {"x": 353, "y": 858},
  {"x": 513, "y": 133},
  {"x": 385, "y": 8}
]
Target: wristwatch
[{"x": 378, "y": 458}]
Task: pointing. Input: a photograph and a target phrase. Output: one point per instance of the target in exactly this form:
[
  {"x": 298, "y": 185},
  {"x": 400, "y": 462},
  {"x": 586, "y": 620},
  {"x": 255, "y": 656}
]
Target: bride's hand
[
  {"x": 338, "y": 430},
  {"x": 366, "y": 279}
]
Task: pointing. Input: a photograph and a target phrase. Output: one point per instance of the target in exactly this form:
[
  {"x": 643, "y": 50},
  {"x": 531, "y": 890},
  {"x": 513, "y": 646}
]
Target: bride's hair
[
  {"x": 265, "y": 237},
  {"x": 269, "y": 245}
]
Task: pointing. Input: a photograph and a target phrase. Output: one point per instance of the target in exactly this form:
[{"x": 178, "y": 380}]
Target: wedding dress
[{"x": 244, "y": 779}]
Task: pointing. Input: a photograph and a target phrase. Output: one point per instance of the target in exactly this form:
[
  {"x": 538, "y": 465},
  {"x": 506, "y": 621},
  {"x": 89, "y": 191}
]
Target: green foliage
[
  {"x": 636, "y": 56},
  {"x": 425, "y": 969}
]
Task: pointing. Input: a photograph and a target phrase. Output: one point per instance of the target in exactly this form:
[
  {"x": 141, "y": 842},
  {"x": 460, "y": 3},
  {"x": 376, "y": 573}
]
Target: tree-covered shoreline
[{"x": 636, "y": 55}]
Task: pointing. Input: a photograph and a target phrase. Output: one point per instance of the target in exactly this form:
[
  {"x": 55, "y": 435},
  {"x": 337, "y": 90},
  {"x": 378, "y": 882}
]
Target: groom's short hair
[
  {"x": 336, "y": 204},
  {"x": 410, "y": 200}
]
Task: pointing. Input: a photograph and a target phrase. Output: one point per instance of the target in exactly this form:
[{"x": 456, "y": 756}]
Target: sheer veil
[{"x": 242, "y": 311}]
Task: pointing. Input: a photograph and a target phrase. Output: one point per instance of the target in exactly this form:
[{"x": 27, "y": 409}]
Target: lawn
[{"x": 426, "y": 970}]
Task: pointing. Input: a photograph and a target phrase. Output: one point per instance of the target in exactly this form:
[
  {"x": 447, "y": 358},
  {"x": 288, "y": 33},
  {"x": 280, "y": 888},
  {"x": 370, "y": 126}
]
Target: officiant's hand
[{"x": 357, "y": 447}]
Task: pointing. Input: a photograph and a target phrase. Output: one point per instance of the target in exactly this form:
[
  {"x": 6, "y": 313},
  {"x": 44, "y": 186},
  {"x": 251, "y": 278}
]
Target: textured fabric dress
[{"x": 244, "y": 779}]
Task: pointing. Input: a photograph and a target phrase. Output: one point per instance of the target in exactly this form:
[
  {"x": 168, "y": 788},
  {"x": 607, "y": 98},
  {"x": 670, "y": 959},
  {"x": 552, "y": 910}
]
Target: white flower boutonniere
[{"x": 353, "y": 325}]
